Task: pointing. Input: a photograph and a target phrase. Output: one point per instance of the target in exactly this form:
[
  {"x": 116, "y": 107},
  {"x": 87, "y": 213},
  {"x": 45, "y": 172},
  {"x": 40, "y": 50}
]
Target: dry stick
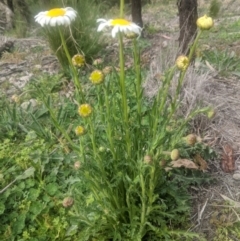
[
  {"x": 201, "y": 212},
  {"x": 10, "y": 184}
]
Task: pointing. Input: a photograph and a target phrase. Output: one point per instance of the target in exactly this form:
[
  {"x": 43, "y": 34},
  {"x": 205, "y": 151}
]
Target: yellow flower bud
[
  {"x": 84, "y": 110},
  {"x": 211, "y": 114},
  {"x": 182, "y": 62},
  {"x": 175, "y": 154},
  {"x": 78, "y": 60},
  {"x": 205, "y": 22},
  {"x": 79, "y": 130},
  {"x": 191, "y": 139}
]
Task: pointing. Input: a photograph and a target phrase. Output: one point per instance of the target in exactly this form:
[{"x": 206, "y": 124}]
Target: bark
[
  {"x": 137, "y": 12},
  {"x": 188, "y": 15}
]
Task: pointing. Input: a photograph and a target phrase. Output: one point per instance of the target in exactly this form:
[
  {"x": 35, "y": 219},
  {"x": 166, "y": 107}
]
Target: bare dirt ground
[{"x": 32, "y": 56}]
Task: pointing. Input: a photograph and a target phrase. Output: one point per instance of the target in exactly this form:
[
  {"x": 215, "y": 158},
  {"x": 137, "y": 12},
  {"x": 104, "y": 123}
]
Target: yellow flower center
[
  {"x": 120, "y": 21},
  {"x": 56, "y": 12}
]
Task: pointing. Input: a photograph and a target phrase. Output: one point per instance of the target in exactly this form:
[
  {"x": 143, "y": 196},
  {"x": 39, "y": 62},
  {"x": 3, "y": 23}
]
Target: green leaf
[
  {"x": 51, "y": 188},
  {"x": 72, "y": 230},
  {"x": 29, "y": 172},
  {"x": 30, "y": 183},
  {"x": 36, "y": 208},
  {"x": 2, "y": 208},
  {"x": 19, "y": 225},
  {"x": 33, "y": 194}
]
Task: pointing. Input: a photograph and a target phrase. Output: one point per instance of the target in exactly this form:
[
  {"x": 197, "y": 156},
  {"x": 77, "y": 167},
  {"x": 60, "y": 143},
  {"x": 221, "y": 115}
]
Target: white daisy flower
[
  {"x": 56, "y": 16},
  {"x": 119, "y": 25}
]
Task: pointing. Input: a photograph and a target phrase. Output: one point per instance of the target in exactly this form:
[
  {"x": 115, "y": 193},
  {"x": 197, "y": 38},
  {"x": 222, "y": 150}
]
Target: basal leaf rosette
[
  {"x": 56, "y": 17},
  {"x": 119, "y": 25}
]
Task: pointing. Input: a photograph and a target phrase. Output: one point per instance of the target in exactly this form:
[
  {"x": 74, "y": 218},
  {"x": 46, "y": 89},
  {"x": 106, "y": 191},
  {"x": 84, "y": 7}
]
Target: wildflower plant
[{"x": 129, "y": 193}]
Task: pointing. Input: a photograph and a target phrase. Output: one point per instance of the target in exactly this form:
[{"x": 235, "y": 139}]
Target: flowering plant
[{"x": 121, "y": 147}]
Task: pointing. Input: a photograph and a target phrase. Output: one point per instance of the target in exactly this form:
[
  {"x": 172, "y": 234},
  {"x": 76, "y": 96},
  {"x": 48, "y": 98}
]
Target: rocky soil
[{"x": 30, "y": 57}]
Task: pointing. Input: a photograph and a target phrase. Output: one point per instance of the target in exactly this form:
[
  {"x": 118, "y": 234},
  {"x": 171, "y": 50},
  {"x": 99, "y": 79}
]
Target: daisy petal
[
  {"x": 115, "y": 30},
  {"x": 101, "y": 27}
]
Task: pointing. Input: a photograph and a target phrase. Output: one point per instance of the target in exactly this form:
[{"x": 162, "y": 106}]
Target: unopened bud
[
  {"x": 147, "y": 159},
  {"x": 162, "y": 163},
  {"x": 77, "y": 165},
  {"x": 191, "y": 139},
  {"x": 175, "y": 154},
  {"x": 101, "y": 149},
  {"x": 211, "y": 114},
  {"x": 67, "y": 202}
]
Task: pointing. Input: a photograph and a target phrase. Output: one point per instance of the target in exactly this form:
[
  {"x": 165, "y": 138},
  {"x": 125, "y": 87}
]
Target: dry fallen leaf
[
  {"x": 228, "y": 163},
  {"x": 200, "y": 162},
  {"x": 184, "y": 163}
]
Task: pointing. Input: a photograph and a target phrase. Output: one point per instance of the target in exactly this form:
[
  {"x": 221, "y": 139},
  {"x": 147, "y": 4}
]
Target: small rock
[
  {"x": 236, "y": 176},
  {"x": 26, "y": 104},
  {"x": 26, "y": 78},
  {"x": 164, "y": 44},
  {"x": 37, "y": 67}
]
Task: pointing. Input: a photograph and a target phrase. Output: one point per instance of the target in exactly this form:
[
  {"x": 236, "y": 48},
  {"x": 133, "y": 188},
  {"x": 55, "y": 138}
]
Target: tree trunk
[
  {"x": 137, "y": 12},
  {"x": 188, "y": 16}
]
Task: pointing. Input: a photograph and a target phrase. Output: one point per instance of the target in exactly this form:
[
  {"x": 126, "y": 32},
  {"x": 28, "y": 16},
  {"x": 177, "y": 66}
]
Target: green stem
[
  {"x": 183, "y": 74},
  {"x": 92, "y": 136},
  {"x": 121, "y": 8},
  {"x": 143, "y": 211},
  {"x": 192, "y": 50},
  {"x": 151, "y": 190},
  {"x": 124, "y": 95},
  {"x": 163, "y": 98},
  {"x": 82, "y": 150},
  {"x": 74, "y": 71}
]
